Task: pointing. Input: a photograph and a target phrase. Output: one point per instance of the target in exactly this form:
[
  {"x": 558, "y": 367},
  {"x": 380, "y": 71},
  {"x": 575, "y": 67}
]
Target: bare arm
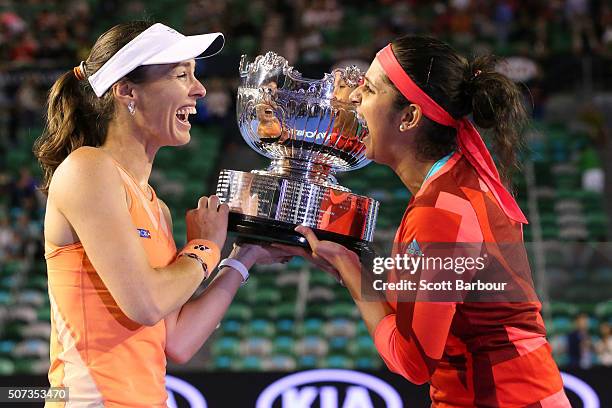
[
  {"x": 88, "y": 191},
  {"x": 344, "y": 265},
  {"x": 189, "y": 327},
  {"x": 192, "y": 325},
  {"x": 186, "y": 330},
  {"x": 372, "y": 312}
]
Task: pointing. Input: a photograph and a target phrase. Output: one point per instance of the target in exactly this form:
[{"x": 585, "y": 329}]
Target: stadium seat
[
  {"x": 305, "y": 362},
  {"x": 238, "y": 312},
  {"x": 604, "y": 310},
  {"x": 561, "y": 309},
  {"x": 7, "y": 367},
  {"x": 222, "y": 363},
  {"x": 38, "y": 330},
  {"x": 312, "y": 326},
  {"x": 230, "y": 327},
  {"x": 561, "y": 325},
  {"x": 286, "y": 310},
  {"x": 258, "y": 328},
  {"x": 248, "y": 363},
  {"x": 311, "y": 345},
  {"x": 36, "y": 348},
  {"x": 267, "y": 296},
  {"x": 279, "y": 363},
  {"x": 337, "y": 361},
  {"x": 321, "y": 294},
  {"x": 259, "y": 346},
  {"x": 285, "y": 327},
  {"x": 368, "y": 363},
  {"x": 340, "y": 327},
  {"x": 227, "y": 346},
  {"x": 363, "y": 346},
  {"x": 341, "y": 310},
  {"x": 338, "y": 344},
  {"x": 283, "y": 345}
]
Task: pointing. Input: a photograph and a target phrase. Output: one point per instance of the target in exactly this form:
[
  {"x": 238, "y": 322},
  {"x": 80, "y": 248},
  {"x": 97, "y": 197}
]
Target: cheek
[
  {"x": 159, "y": 107},
  {"x": 378, "y": 121}
]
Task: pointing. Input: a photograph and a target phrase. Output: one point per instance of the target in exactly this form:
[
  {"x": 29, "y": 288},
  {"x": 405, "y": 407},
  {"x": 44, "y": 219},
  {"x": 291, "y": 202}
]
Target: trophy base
[
  {"x": 266, "y": 230},
  {"x": 281, "y": 203}
]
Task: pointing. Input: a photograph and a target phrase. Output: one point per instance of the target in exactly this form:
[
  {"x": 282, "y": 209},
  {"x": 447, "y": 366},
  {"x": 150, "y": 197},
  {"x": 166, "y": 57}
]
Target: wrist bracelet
[
  {"x": 197, "y": 258},
  {"x": 237, "y": 265},
  {"x": 206, "y": 252}
]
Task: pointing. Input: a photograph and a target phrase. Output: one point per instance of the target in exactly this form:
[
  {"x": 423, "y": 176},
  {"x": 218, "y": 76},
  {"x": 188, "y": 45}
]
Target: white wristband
[{"x": 237, "y": 265}]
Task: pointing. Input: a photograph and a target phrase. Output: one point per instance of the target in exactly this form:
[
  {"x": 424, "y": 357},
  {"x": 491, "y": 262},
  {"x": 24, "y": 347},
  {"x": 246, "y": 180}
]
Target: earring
[
  {"x": 402, "y": 127},
  {"x": 132, "y": 108}
]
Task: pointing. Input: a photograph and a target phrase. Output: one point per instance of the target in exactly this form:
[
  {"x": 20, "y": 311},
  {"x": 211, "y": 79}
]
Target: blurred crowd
[
  {"x": 40, "y": 39},
  {"x": 60, "y": 32},
  {"x": 585, "y": 346}
]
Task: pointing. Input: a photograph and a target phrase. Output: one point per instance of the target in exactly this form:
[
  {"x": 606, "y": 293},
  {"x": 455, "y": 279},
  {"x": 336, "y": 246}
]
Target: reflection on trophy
[{"x": 310, "y": 131}]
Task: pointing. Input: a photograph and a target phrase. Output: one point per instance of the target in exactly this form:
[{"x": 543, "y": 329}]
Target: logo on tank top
[
  {"x": 144, "y": 233},
  {"x": 414, "y": 248}
]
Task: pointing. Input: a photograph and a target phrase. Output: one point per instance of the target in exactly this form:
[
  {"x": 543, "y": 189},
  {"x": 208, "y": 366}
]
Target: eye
[
  {"x": 182, "y": 75},
  {"x": 367, "y": 88}
]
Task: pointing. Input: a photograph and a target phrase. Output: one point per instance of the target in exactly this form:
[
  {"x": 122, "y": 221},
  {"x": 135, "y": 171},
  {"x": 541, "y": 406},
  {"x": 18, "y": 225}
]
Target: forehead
[
  {"x": 187, "y": 63},
  {"x": 160, "y": 71},
  {"x": 376, "y": 75}
]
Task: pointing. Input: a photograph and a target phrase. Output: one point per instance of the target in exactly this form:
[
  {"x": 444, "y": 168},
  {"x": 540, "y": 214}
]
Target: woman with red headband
[{"x": 492, "y": 352}]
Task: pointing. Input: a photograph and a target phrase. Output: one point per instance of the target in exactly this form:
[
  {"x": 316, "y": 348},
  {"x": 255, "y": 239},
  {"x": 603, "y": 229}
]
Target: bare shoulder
[
  {"x": 87, "y": 170},
  {"x": 86, "y": 158},
  {"x": 84, "y": 165}
]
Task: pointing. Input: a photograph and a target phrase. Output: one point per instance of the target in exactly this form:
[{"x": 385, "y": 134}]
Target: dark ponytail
[
  {"x": 497, "y": 104},
  {"x": 461, "y": 88},
  {"x": 75, "y": 115}
]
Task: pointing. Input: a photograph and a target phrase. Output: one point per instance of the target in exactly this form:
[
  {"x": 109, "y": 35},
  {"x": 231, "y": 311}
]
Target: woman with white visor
[{"x": 119, "y": 290}]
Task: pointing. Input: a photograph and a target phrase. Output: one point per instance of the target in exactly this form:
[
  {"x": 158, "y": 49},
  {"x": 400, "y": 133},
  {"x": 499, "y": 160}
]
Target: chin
[{"x": 182, "y": 139}]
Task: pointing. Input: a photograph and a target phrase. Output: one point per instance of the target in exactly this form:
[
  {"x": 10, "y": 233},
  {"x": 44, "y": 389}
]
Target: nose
[
  {"x": 198, "y": 90},
  {"x": 355, "y": 96}
]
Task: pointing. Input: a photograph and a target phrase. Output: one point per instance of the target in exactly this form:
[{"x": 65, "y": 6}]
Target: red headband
[{"x": 469, "y": 140}]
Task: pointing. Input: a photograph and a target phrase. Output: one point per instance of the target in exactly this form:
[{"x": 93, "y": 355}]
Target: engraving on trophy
[{"x": 310, "y": 131}]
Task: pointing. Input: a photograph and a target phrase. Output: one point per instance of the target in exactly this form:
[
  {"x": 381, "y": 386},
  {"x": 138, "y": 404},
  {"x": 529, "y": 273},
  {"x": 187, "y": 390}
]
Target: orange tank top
[{"x": 103, "y": 357}]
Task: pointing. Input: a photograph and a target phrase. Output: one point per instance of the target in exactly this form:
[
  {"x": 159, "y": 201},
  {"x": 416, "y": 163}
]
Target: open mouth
[
  {"x": 182, "y": 114},
  {"x": 362, "y": 121}
]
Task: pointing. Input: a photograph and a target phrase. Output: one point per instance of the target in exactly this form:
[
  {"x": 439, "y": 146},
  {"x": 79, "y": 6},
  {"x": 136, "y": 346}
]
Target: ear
[
  {"x": 411, "y": 116},
  {"x": 123, "y": 91}
]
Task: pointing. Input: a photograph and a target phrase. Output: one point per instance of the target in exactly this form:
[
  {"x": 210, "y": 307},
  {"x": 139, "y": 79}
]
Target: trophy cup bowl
[{"x": 311, "y": 132}]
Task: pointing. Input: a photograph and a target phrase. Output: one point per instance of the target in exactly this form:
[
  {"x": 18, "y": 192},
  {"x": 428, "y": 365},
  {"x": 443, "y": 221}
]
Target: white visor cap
[{"x": 158, "y": 44}]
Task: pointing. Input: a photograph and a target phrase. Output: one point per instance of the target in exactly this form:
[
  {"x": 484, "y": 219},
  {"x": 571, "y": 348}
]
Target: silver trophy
[{"x": 310, "y": 131}]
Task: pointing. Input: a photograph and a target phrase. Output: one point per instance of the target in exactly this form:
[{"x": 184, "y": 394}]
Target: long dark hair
[
  {"x": 75, "y": 115},
  {"x": 494, "y": 101}
]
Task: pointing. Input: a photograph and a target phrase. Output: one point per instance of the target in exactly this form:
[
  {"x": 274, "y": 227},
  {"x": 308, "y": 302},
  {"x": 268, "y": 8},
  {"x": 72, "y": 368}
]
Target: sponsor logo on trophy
[{"x": 311, "y": 132}]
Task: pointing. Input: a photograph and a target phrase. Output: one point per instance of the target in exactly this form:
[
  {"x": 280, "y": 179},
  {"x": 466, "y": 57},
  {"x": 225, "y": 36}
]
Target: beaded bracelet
[{"x": 205, "y": 251}]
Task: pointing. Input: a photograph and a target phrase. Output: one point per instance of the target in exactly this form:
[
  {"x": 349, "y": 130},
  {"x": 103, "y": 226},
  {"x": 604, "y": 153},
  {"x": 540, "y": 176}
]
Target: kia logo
[
  {"x": 191, "y": 394},
  {"x": 583, "y": 390},
  {"x": 298, "y": 390}
]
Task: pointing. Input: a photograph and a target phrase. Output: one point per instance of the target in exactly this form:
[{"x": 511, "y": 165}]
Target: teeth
[{"x": 183, "y": 113}]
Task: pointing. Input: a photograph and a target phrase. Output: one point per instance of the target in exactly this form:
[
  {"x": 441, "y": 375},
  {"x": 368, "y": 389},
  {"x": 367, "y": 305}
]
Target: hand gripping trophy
[{"x": 311, "y": 132}]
